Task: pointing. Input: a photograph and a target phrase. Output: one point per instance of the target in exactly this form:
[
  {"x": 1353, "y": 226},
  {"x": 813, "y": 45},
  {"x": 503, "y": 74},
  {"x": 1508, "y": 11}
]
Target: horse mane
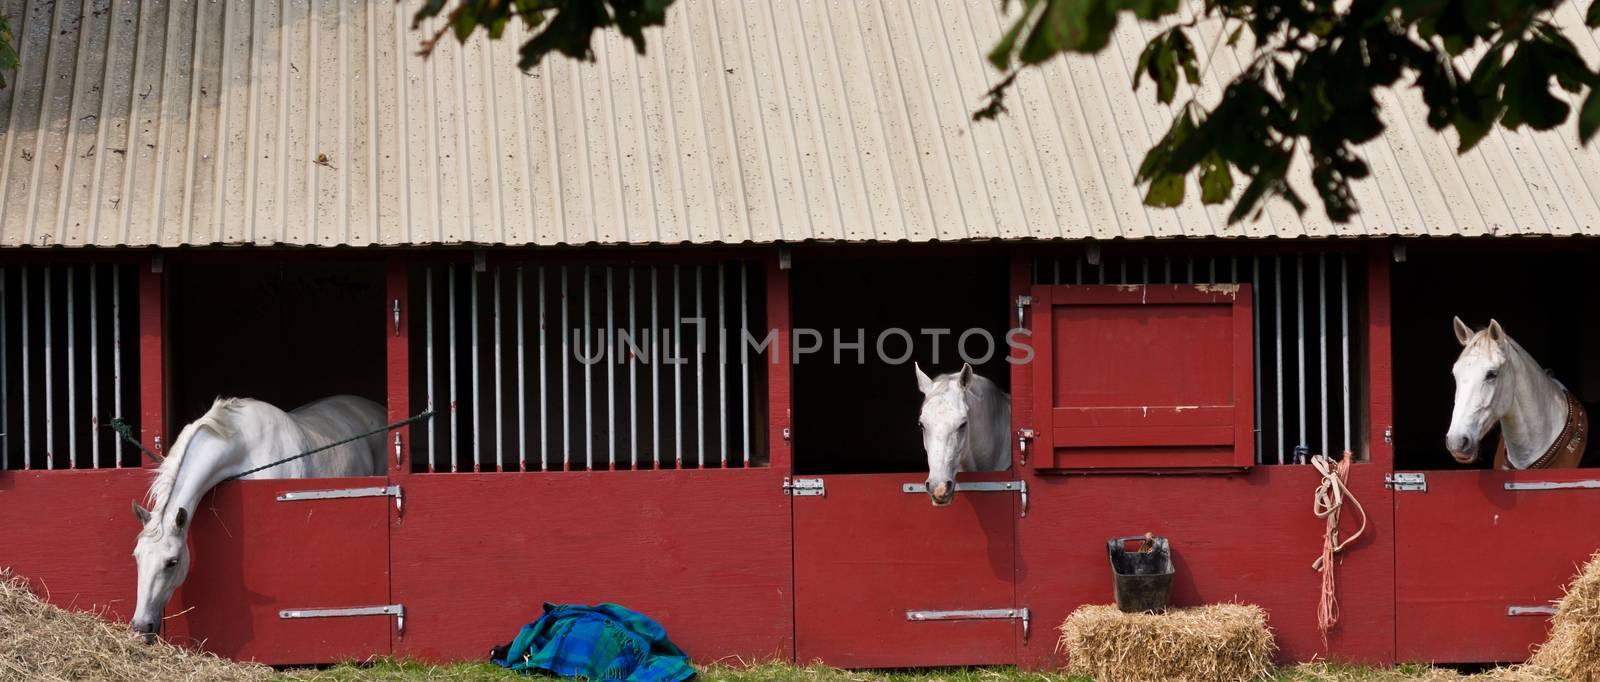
[{"x": 218, "y": 420}]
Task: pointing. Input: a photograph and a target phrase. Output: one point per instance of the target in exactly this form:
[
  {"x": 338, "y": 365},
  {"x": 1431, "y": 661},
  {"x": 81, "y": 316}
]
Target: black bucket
[{"x": 1142, "y": 577}]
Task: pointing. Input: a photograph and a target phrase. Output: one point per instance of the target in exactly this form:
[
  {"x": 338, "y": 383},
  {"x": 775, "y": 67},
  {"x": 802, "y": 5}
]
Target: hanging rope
[
  {"x": 1326, "y": 504},
  {"x": 123, "y": 430}
]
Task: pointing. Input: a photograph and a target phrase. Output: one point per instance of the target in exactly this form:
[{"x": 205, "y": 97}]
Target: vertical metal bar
[
  {"x": 1277, "y": 324},
  {"x": 1300, "y": 336},
  {"x": 611, "y": 376},
  {"x": 477, "y": 393},
  {"x": 94, "y": 369},
  {"x": 1233, "y": 269},
  {"x": 677, "y": 367},
  {"x": 49, "y": 377},
  {"x": 27, "y": 376},
  {"x": 1079, "y": 279},
  {"x": 1255, "y": 314},
  {"x": 656, "y": 339},
  {"x": 427, "y": 314},
  {"x": 1213, "y": 278},
  {"x": 5, "y": 378},
  {"x": 72, "y": 370},
  {"x": 1191, "y": 269},
  {"x": 699, "y": 367},
  {"x": 1322, "y": 342},
  {"x": 499, "y": 373},
  {"x": 1144, "y": 271},
  {"x": 633, "y": 373},
  {"x": 1123, "y": 271},
  {"x": 1344, "y": 344},
  {"x": 455, "y": 429},
  {"x": 588, "y": 380},
  {"x": 566, "y": 379},
  {"x": 1101, "y": 270},
  {"x": 1055, "y": 264},
  {"x": 744, "y": 357},
  {"x": 522, "y": 383},
  {"x": 116, "y": 356},
  {"x": 1166, "y": 267},
  {"x": 544, "y": 383},
  {"x": 722, "y": 360}
]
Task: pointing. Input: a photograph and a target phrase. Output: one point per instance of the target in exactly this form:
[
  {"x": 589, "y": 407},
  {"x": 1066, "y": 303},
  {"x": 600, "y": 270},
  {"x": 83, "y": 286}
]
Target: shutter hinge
[
  {"x": 396, "y": 610},
  {"x": 1408, "y": 482},
  {"x": 803, "y": 487},
  {"x": 383, "y": 491},
  {"x": 1023, "y": 302}
]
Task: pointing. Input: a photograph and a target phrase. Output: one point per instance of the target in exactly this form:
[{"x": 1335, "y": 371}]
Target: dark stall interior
[
  {"x": 285, "y": 334},
  {"x": 1537, "y": 296},
  {"x": 861, "y": 417}
]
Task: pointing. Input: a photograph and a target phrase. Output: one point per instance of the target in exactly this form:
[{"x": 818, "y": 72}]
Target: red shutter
[{"x": 1138, "y": 377}]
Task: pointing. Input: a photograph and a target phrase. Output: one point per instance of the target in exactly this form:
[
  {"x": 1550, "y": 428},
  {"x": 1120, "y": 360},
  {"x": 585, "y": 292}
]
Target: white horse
[
  {"x": 966, "y": 426},
  {"x": 236, "y": 435},
  {"x": 1541, "y": 423}
]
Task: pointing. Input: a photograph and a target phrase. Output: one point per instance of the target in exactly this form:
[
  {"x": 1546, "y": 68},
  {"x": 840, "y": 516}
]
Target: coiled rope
[{"x": 1326, "y": 504}]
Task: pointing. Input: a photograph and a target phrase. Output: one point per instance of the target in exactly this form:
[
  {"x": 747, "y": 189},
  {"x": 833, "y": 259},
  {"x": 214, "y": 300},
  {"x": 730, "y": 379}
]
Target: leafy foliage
[
  {"x": 8, "y": 53},
  {"x": 1310, "y": 85}
]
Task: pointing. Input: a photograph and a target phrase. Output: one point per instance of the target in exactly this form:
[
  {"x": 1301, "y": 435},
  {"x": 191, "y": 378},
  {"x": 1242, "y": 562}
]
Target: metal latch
[
  {"x": 803, "y": 487},
  {"x": 396, "y": 610},
  {"x": 1023, "y": 436},
  {"x": 1530, "y": 610},
  {"x": 1023, "y": 302},
  {"x": 384, "y": 491},
  {"x": 978, "y": 487},
  {"x": 974, "y": 614},
  {"x": 1409, "y": 482},
  {"x": 1552, "y": 485}
]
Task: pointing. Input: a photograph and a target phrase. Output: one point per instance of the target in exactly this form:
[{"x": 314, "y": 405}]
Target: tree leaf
[
  {"x": 1589, "y": 116},
  {"x": 1166, "y": 191},
  {"x": 1216, "y": 180}
]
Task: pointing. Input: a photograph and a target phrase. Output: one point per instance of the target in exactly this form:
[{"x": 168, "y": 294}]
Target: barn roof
[{"x": 255, "y": 122}]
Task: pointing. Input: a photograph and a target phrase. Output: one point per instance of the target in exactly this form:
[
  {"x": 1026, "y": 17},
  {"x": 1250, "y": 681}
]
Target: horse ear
[
  {"x": 181, "y": 519},
  {"x": 1463, "y": 332},
  {"x": 966, "y": 374},
  {"x": 1495, "y": 332},
  {"x": 141, "y": 512},
  {"x": 923, "y": 382}
]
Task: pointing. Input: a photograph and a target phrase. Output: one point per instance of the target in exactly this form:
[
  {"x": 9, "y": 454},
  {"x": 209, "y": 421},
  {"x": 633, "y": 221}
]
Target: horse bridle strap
[{"x": 1568, "y": 447}]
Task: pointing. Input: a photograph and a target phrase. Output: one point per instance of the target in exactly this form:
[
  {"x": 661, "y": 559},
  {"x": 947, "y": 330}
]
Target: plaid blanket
[{"x": 603, "y": 642}]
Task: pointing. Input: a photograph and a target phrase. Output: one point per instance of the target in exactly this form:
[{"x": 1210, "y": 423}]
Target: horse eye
[
  {"x": 1491, "y": 375},
  {"x": 172, "y": 562}
]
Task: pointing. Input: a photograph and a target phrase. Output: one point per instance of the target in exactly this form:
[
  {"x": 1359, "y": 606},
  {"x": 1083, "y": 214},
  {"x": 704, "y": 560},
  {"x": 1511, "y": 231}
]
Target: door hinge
[
  {"x": 383, "y": 491},
  {"x": 1023, "y": 302},
  {"x": 1530, "y": 610},
  {"x": 1388, "y": 435},
  {"x": 975, "y": 614},
  {"x": 396, "y": 610},
  {"x": 1020, "y": 487},
  {"x": 397, "y": 317},
  {"x": 1553, "y": 485},
  {"x": 1409, "y": 482},
  {"x": 803, "y": 487}
]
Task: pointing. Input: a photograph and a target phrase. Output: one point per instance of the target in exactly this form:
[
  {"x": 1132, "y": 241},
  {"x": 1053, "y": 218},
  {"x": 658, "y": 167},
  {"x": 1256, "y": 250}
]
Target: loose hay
[
  {"x": 1573, "y": 650},
  {"x": 39, "y": 641},
  {"x": 1216, "y": 642}
]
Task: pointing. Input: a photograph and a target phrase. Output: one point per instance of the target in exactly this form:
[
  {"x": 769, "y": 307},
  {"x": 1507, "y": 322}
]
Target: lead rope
[
  {"x": 123, "y": 430},
  {"x": 1327, "y": 502}
]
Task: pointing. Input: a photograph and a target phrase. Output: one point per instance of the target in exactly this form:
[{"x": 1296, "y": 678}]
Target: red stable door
[
  {"x": 884, "y": 579},
  {"x": 1480, "y": 557}
]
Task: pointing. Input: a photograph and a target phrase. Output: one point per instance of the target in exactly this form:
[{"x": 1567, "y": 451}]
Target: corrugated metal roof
[{"x": 206, "y": 122}]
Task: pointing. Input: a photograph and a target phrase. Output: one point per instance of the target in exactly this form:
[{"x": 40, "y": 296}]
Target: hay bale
[
  {"x": 1216, "y": 642},
  {"x": 1573, "y": 650},
  {"x": 39, "y": 641}
]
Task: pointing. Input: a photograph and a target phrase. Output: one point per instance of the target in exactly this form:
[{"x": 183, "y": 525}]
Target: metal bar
[
  {"x": 1144, "y": 271},
  {"x": 1322, "y": 343},
  {"x": 450, "y": 273},
  {"x": 699, "y": 367},
  {"x": 72, "y": 370},
  {"x": 1344, "y": 341},
  {"x": 477, "y": 393},
  {"x": 971, "y": 487},
  {"x": 677, "y": 368},
  {"x": 390, "y": 610},
  {"x": 1190, "y": 259},
  {"x": 1300, "y": 345},
  {"x": 1124, "y": 272},
  {"x": 1530, "y": 610},
  {"x": 427, "y": 323},
  {"x": 656, "y": 339},
  {"x": 49, "y": 378},
  {"x": 633, "y": 373},
  {"x": 1055, "y": 264},
  {"x": 975, "y": 614},
  {"x": 588, "y": 380},
  {"x": 1213, "y": 278},
  {"x": 27, "y": 376},
  {"x": 116, "y": 356},
  {"x": 722, "y": 360},
  {"x": 1277, "y": 323},
  {"x": 566, "y": 378},
  {"x": 544, "y": 383},
  {"x": 1553, "y": 485},
  {"x": 342, "y": 493},
  {"x": 1167, "y": 269},
  {"x": 1079, "y": 279},
  {"x": 522, "y": 384},
  {"x": 744, "y": 357},
  {"x": 94, "y": 369},
  {"x": 5, "y": 379},
  {"x": 1255, "y": 314},
  {"x": 499, "y": 373},
  {"x": 611, "y": 376}
]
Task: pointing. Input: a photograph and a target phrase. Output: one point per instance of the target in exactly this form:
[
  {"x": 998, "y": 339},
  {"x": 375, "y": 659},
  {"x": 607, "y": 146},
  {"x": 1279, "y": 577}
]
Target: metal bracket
[
  {"x": 397, "y": 448},
  {"x": 1023, "y": 302},
  {"x": 1023, "y": 436},
  {"x": 1552, "y": 485},
  {"x": 396, "y": 610},
  {"x": 397, "y": 317},
  {"x": 343, "y": 493},
  {"x": 975, "y": 614},
  {"x": 978, "y": 487},
  {"x": 1388, "y": 435},
  {"x": 803, "y": 487},
  {"x": 1411, "y": 482},
  {"x": 1530, "y": 610}
]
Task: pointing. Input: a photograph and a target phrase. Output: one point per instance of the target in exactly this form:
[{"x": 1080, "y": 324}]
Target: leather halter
[{"x": 1567, "y": 450}]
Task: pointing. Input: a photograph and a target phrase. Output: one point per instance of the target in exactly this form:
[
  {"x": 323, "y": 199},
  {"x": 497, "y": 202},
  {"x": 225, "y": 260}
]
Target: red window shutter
[{"x": 1141, "y": 377}]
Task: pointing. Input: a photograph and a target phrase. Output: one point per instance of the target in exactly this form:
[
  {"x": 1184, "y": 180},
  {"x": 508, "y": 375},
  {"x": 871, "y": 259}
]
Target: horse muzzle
[
  {"x": 942, "y": 494},
  {"x": 1462, "y": 448},
  {"x": 148, "y": 631}
]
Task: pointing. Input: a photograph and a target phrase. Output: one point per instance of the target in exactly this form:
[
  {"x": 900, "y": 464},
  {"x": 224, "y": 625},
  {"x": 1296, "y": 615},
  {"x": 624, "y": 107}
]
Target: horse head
[
  {"x": 944, "y": 429},
  {"x": 162, "y": 554},
  {"x": 1483, "y": 392}
]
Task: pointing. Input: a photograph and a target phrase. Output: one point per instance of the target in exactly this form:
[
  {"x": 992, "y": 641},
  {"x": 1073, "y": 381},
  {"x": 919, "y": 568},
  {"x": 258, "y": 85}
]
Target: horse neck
[
  {"x": 207, "y": 460},
  {"x": 1538, "y": 411},
  {"x": 984, "y": 415}
]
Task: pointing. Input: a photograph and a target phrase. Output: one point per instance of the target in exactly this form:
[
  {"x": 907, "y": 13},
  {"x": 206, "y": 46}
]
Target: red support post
[
  {"x": 779, "y": 396},
  {"x": 397, "y": 331},
  {"x": 152, "y": 357}
]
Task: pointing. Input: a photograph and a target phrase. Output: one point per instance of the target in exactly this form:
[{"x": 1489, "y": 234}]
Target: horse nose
[
  {"x": 1459, "y": 443},
  {"x": 147, "y": 630}
]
